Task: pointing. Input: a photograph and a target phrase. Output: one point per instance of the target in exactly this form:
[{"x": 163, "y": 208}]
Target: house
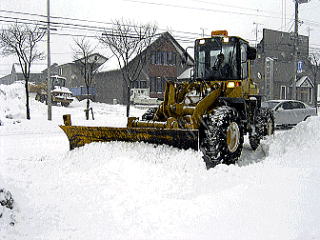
[
  {"x": 17, "y": 75},
  {"x": 166, "y": 60},
  {"x": 274, "y": 68}
]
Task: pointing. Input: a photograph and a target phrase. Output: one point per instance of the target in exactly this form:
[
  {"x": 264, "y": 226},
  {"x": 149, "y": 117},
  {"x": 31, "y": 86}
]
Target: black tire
[
  {"x": 221, "y": 137},
  {"x": 149, "y": 114},
  {"x": 254, "y": 141},
  {"x": 264, "y": 127}
]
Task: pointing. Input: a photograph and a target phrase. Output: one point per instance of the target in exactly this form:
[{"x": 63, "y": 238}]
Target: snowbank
[
  {"x": 12, "y": 99},
  {"x": 300, "y": 145},
  {"x": 138, "y": 191}
]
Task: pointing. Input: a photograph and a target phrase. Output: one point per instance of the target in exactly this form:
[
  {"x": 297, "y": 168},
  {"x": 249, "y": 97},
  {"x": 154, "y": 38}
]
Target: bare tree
[
  {"x": 88, "y": 63},
  {"x": 22, "y": 40},
  {"x": 127, "y": 41}
]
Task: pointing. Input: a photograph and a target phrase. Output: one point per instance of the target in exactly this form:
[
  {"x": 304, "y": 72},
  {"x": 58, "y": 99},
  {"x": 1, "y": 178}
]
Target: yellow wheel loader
[
  {"x": 212, "y": 111},
  {"x": 59, "y": 92}
]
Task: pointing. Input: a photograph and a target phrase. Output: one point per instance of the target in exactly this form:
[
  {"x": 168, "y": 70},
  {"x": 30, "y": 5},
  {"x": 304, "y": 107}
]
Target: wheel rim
[
  {"x": 233, "y": 137},
  {"x": 270, "y": 127}
]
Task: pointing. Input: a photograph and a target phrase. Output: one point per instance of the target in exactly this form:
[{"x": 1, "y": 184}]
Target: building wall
[
  {"x": 278, "y": 47},
  {"x": 109, "y": 86},
  {"x": 68, "y": 71},
  {"x": 14, "y": 76}
]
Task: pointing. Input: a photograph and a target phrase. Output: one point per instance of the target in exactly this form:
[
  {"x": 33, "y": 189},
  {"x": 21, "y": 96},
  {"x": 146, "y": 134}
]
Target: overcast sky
[{"x": 240, "y": 18}]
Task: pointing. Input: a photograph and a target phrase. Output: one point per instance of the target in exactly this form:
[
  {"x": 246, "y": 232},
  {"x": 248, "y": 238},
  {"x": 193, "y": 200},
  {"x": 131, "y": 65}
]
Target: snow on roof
[
  {"x": 186, "y": 74},
  {"x": 110, "y": 65},
  {"x": 35, "y": 68},
  {"x": 94, "y": 58},
  {"x": 304, "y": 82}
]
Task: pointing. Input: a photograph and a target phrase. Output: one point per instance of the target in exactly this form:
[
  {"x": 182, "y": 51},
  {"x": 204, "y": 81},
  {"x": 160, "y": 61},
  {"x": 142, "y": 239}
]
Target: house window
[
  {"x": 153, "y": 57},
  {"x": 135, "y": 84},
  {"x": 143, "y": 84},
  {"x": 163, "y": 58},
  {"x": 158, "y": 58},
  {"x": 60, "y": 72},
  {"x": 171, "y": 58},
  {"x": 157, "y": 84},
  {"x": 283, "y": 92}
]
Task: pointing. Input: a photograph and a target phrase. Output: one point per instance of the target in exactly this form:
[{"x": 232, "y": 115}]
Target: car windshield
[{"x": 270, "y": 104}]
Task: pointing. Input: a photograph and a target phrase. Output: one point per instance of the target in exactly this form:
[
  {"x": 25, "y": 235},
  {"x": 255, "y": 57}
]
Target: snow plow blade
[
  {"x": 79, "y": 136},
  {"x": 181, "y": 138}
]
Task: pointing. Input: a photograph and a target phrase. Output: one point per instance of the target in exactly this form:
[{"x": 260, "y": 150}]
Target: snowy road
[{"x": 137, "y": 191}]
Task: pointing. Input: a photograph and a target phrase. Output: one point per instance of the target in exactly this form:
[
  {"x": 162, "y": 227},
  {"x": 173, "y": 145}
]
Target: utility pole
[
  {"x": 296, "y": 43},
  {"x": 202, "y": 29},
  {"x": 295, "y": 50},
  {"x": 49, "y": 64}
]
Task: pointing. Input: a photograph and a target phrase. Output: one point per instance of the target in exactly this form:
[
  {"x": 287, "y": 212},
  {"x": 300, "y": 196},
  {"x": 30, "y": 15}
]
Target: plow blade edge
[{"x": 181, "y": 138}]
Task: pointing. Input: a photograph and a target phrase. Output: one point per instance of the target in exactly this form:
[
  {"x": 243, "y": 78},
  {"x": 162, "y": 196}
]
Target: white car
[{"x": 288, "y": 113}]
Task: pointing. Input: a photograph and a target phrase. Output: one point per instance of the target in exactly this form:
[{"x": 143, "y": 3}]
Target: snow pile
[
  {"x": 12, "y": 99},
  {"x": 301, "y": 145},
  {"x": 138, "y": 191}
]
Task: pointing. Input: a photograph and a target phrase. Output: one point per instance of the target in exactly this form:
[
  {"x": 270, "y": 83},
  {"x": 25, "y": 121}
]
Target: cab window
[{"x": 244, "y": 63}]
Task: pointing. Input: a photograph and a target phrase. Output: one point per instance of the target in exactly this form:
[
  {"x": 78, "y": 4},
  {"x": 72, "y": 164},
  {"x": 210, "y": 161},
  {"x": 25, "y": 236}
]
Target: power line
[
  {"x": 81, "y": 20},
  {"x": 82, "y": 27},
  {"x": 101, "y": 29},
  {"x": 201, "y": 9},
  {"x": 64, "y": 25},
  {"x": 232, "y": 6}
]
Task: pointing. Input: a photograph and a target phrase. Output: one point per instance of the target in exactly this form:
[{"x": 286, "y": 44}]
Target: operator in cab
[{"x": 221, "y": 69}]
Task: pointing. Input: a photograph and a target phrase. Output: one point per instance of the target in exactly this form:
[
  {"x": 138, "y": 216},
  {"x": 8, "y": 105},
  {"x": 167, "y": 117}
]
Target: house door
[{"x": 305, "y": 94}]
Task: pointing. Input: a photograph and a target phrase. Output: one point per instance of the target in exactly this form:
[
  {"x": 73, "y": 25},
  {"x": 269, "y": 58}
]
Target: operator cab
[
  {"x": 58, "y": 81},
  {"x": 222, "y": 57}
]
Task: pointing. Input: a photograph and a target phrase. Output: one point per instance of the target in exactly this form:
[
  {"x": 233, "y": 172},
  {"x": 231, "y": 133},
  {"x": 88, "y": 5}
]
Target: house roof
[
  {"x": 186, "y": 74},
  {"x": 35, "y": 68},
  {"x": 94, "y": 58},
  {"x": 304, "y": 81},
  {"x": 179, "y": 48},
  {"x": 113, "y": 64}
]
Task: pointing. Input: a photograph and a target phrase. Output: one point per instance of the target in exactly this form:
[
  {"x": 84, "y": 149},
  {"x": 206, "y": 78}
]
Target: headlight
[{"x": 231, "y": 85}]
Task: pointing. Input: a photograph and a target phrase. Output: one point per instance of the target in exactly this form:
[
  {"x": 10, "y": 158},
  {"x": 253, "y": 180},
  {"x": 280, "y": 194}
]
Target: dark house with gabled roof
[{"x": 165, "y": 61}]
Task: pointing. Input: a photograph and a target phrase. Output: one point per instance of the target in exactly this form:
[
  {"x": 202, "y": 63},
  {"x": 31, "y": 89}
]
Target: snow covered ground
[{"x": 138, "y": 191}]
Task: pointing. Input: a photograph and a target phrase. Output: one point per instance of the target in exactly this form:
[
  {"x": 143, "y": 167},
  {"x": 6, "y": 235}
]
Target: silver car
[{"x": 288, "y": 113}]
